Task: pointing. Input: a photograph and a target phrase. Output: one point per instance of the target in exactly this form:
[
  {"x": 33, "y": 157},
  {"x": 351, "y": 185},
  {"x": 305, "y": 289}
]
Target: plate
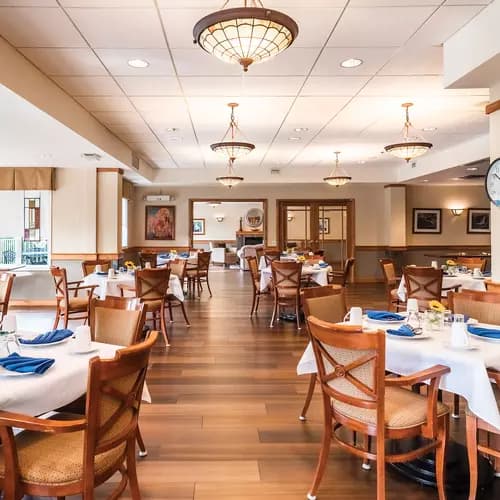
[
  {"x": 385, "y": 321},
  {"x": 423, "y": 336},
  {"x": 9, "y": 373},
  {"x": 92, "y": 348},
  {"x": 485, "y": 339},
  {"x": 469, "y": 347},
  {"x": 46, "y": 344}
]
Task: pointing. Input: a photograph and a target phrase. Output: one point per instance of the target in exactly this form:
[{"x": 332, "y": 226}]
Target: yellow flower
[
  {"x": 129, "y": 264},
  {"x": 173, "y": 251},
  {"x": 301, "y": 258},
  {"x": 435, "y": 305},
  {"x": 451, "y": 262}
]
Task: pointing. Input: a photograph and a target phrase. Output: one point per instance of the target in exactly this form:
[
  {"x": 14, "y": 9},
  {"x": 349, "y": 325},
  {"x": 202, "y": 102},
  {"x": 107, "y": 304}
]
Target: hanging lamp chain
[{"x": 253, "y": 3}]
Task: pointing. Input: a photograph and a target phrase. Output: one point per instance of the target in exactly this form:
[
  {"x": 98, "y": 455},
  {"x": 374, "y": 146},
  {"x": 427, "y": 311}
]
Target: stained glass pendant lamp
[
  {"x": 338, "y": 177},
  {"x": 229, "y": 146},
  {"x": 231, "y": 179},
  {"x": 245, "y": 35},
  {"x": 412, "y": 144}
]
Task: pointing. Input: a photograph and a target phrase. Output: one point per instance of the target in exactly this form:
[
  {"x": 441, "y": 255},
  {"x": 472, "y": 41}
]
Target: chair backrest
[
  {"x": 325, "y": 303},
  {"x": 389, "y": 271},
  {"x": 423, "y": 283},
  {"x": 113, "y": 401},
  {"x": 492, "y": 286},
  {"x": 88, "y": 266},
  {"x": 472, "y": 262},
  {"x": 60, "y": 282},
  {"x": 271, "y": 256},
  {"x": 178, "y": 267},
  {"x": 147, "y": 257},
  {"x": 259, "y": 252},
  {"x": 253, "y": 266},
  {"x": 117, "y": 320},
  {"x": 204, "y": 261},
  {"x": 349, "y": 263},
  {"x": 351, "y": 364},
  {"x": 6, "y": 282},
  {"x": 286, "y": 277},
  {"x": 483, "y": 306},
  {"x": 152, "y": 284}
]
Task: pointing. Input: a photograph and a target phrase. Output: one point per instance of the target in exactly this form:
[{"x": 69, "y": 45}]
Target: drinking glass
[
  {"x": 458, "y": 318},
  {"x": 447, "y": 319}
]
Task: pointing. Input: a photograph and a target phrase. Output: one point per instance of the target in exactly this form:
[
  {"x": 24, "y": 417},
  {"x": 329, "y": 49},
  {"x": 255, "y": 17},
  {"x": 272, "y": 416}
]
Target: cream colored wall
[
  {"x": 109, "y": 203},
  {"x": 395, "y": 216}
]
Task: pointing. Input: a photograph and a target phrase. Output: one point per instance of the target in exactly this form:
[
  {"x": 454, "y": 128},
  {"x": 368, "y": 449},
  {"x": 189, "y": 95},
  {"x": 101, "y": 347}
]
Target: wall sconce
[
  {"x": 457, "y": 211},
  {"x": 219, "y": 218}
]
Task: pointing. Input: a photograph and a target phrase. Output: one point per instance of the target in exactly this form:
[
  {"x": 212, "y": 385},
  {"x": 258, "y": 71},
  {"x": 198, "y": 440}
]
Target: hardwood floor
[{"x": 226, "y": 400}]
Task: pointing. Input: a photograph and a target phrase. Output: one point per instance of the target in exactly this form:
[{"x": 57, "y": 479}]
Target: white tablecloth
[
  {"x": 464, "y": 280},
  {"x": 62, "y": 383},
  {"x": 192, "y": 259},
  {"x": 319, "y": 276},
  {"x": 109, "y": 286},
  {"x": 468, "y": 376}
]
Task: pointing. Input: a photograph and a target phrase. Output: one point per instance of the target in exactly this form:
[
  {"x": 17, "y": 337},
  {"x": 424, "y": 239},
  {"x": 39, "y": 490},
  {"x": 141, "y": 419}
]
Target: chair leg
[
  {"x": 183, "y": 309},
  {"x": 275, "y": 311},
  {"x": 208, "y": 286},
  {"x": 170, "y": 311},
  {"x": 66, "y": 319},
  {"x": 456, "y": 406},
  {"x": 257, "y": 303},
  {"x": 297, "y": 312},
  {"x": 366, "y": 446},
  {"x": 131, "y": 471},
  {"x": 471, "y": 435},
  {"x": 310, "y": 392},
  {"x": 253, "y": 303},
  {"x": 163, "y": 326},
  {"x": 442, "y": 437},
  {"x": 140, "y": 442},
  {"x": 380, "y": 467},
  {"x": 56, "y": 321}
]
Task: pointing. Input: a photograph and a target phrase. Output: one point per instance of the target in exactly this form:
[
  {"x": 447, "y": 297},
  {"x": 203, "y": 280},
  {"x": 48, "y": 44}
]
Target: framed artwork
[
  {"x": 199, "y": 226},
  {"x": 324, "y": 225},
  {"x": 478, "y": 220},
  {"x": 427, "y": 220},
  {"x": 160, "y": 222}
]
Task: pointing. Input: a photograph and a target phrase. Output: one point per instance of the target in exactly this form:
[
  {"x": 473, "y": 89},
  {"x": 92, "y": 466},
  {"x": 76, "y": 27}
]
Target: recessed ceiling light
[
  {"x": 425, "y": 180},
  {"x": 429, "y": 129},
  {"x": 172, "y": 129},
  {"x": 174, "y": 139},
  {"x": 294, "y": 138},
  {"x": 361, "y": 162},
  {"x": 301, "y": 129},
  {"x": 471, "y": 169},
  {"x": 138, "y": 63},
  {"x": 456, "y": 179},
  {"x": 351, "y": 63}
]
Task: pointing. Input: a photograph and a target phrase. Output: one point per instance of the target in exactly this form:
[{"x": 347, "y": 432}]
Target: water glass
[
  {"x": 8, "y": 345},
  {"x": 433, "y": 320},
  {"x": 458, "y": 318},
  {"x": 447, "y": 319},
  {"x": 413, "y": 319}
]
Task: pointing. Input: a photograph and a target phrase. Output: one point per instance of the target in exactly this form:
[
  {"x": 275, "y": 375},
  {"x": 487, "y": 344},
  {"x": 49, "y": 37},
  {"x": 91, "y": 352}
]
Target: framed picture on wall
[
  {"x": 199, "y": 226},
  {"x": 427, "y": 220},
  {"x": 478, "y": 220},
  {"x": 324, "y": 225},
  {"x": 160, "y": 222}
]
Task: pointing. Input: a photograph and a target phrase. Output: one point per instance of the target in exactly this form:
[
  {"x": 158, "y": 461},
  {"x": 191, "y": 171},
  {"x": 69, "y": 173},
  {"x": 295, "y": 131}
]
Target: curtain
[
  {"x": 34, "y": 178},
  {"x": 6, "y": 179}
]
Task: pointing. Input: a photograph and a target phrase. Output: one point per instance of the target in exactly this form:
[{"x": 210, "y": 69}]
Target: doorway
[{"x": 326, "y": 225}]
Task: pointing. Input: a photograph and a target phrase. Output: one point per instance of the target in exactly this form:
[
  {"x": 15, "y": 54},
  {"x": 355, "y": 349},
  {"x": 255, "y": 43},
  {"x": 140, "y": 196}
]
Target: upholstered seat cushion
[
  {"x": 287, "y": 292},
  {"x": 153, "y": 305},
  {"x": 57, "y": 458},
  {"x": 76, "y": 303},
  {"x": 403, "y": 409}
]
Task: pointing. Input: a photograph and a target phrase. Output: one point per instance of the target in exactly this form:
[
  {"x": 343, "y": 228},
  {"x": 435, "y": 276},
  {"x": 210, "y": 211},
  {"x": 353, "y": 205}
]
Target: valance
[
  {"x": 128, "y": 190},
  {"x": 27, "y": 179},
  {"x": 6, "y": 179}
]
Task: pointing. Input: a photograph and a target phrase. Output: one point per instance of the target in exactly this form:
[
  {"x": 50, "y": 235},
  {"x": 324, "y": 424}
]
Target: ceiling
[{"x": 84, "y": 46}]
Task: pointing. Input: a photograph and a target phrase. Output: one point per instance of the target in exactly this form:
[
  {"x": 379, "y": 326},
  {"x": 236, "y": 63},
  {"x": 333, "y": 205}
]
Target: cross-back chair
[
  {"x": 6, "y": 282},
  {"x": 328, "y": 304},
  {"x": 472, "y": 262},
  {"x": 253, "y": 267},
  {"x": 147, "y": 258},
  {"x": 423, "y": 284},
  {"x": 483, "y": 306},
  {"x": 341, "y": 277},
  {"x": 271, "y": 256},
  {"x": 198, "y": 274},
  {"x": 391, "y": 284},
  {"x": 357, "y": 396},
  {"x": 177, "y": 268},
  {"x": 73, "y": 456},
  {"x": 88, "y": 266},
  {"x": 286, "y": 288},
  {"x": 69, "y": 305}
]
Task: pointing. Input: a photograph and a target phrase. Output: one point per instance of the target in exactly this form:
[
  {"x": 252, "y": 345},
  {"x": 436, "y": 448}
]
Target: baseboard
[{"x": 23, "y": 303}]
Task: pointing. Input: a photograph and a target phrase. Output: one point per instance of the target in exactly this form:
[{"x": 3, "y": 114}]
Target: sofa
[
  {"x": 247, "y": 251},
  {"x": 223, "y": 255}
]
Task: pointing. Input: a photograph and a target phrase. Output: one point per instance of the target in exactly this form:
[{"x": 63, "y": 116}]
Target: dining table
[
  {"x": 111, "y": 285},
  {"x": 64, "y": 382},
  {"x": 164, "y": 259}
]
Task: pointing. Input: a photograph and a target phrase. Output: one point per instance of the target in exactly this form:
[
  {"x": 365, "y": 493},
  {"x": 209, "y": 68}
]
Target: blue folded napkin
[
  {"x": 402, "y": 331},
  {"x": 384, "y": 316},
  {"x": 323, "y": 265},
  {"x": 184, "y": 254},
  {"x": 164, "y": 255},
  {"x": 491, "y": 333},
  {"x": 102, "y": 273},
  {"x": 49, "y": 337},
  {"x": 22, "y": 364}
]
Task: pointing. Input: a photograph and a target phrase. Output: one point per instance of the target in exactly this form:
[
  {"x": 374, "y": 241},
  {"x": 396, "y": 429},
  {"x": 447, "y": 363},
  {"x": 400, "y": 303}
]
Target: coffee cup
[
  {"x": 82, "y": 341},
  {"x": 354, "y": 316},
  {"x": 434, "y": 264},
  {"x": 147, "y": 265},
  {"x": 9, "y": 323},
  {"x": 476, "y": 272},
  {"x": 111, "y": 273},
  {"x": 98, "y": 268}
]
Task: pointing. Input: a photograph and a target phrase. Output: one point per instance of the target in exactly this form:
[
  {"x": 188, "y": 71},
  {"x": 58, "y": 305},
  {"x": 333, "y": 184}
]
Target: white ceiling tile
[
  {"x": 67, "y": 62},
  {"x": 334, "y": 85},
  {"x": 88, "y": 85},
  {"x": 38, "y": 27},
  {"x": 116, "y": 60},
  {"x": 194, "y": 61},
  {"x": 293, "y": 61},
  {"x": 246, "y": 86},
  {"x": 119, "y": 28},
  {"x": 149, "y": 85},
  {"x": 126, "y": 130},
  {"x": 107, "y": 103},
  {"x": 381, "y": 27},
  {"x": 468, "y": 2},
  {"x": 28, "y": 3},
  {"x": 373, "y": 59},
  {"x": 119, "y": 117},
  {"x": 130, "y": 137},
  {"x": 150, "y": 149},
  {"x": 179, "y": 25},
  {"x": 416, "y": 60}
]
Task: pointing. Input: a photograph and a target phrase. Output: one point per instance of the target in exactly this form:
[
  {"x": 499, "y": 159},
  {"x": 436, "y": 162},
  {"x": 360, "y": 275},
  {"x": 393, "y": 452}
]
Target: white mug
[
  {"x": 147, "y": 265},
  {"x": 9, "y": 323},
  {"x": 476, "y": 272},
  {"x": 98, "y": 268},
  {"x": 434, "y": 264},
  {"x": 355, "y": 316},
  {"x": 111, "y": 273},
  {"x": 459, "y": 337},
  {"x": 412, "y": 305},
  {"x": 82, "y": 340}
]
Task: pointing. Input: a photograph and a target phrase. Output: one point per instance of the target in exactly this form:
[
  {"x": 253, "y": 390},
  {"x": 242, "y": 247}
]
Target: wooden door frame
[{"x": 192, "y": 201}]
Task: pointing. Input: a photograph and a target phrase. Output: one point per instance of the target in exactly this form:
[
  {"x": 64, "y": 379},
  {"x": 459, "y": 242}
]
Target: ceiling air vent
[
  {"x": 135, "y": 161},
  {"x": 91, "y": 156},
  {"x": 275, "y": 171}
]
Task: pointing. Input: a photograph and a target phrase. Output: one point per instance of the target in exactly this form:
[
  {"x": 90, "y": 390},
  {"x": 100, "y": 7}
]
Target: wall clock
[{"x": 492, "y": 182}]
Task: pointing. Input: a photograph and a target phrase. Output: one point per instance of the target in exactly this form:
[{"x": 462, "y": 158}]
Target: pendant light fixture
[
  {"x": 412, "y": 145},
  {"x": 230, "y": 179},
  {"x": 338, "y": 177},
  {"x": 229, "y": 147},
  {"x": 245, "y": 35}
]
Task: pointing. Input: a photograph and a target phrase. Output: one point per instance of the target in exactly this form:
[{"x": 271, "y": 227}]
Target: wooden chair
[
  {"x": 341, "y": 277},
  {"x": 271, "y": 256},
  {"x": 58, "y": 458},
  {"x": 472, "y": 262},
  {"x": 6, "y": 282},
  {"x": 178, "y": 268},
  {"x": 328, "y": 304},
  {"x": 198, "y": 274},
  {"x": 357, "y": 396},
  {"x": 424, "y": 284},
  {"x": 286, "y": 288},
  {"x": 391, "y": 284},
  {"x": 492, "y": 286},
  {"x": 473, "y": 424},
  {"x": 147, "y": 258},
  {"x": 259, "y": 252},
  {"x": 88, "y": 266},
  {"x": 253, "y": 266},
  {"x": 70, "y": 306},
  {"x": 483, "y": 306}
]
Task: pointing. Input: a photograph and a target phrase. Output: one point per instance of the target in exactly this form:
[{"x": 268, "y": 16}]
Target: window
[
  {"x": 25, "y": 229},
  {"x": 124, "y": 223}
]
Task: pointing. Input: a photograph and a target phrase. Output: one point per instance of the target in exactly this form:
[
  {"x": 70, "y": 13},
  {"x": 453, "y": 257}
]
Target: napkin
[
  {"x": 480, "y": 331},
  {"x": 384, "y": 316},
  {"x": 402, "y": 331},
  {"x": 22, "y": 364},
  {"x": 102, "y": 273},
  {"x": 49, "y": 337},
  {"x": 323, "y": 264},
  {"x": 185, "y": 254}
]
